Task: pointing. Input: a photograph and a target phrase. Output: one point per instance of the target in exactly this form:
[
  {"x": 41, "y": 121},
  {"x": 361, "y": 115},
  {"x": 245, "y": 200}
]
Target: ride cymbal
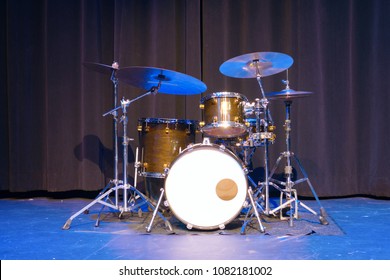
[{"x": 252, "y": 64}]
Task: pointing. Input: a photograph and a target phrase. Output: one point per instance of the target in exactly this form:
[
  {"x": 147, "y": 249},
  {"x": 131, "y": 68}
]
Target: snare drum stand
[
  {"x": 289, "y": 191},
  {"x": 134, "y": 193}
]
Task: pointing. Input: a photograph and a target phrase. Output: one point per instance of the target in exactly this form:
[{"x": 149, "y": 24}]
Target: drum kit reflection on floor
[{"x": 205, "y": 185}]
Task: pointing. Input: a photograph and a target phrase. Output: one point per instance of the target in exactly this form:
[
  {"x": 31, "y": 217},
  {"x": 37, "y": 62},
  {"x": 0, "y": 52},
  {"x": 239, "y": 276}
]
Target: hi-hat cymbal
[
  {"x": 101, "y": 68},
  {"x": 287, "y": 94},
  {"x": 170, "y": 82},
  {"x": 249, "y": 65}
]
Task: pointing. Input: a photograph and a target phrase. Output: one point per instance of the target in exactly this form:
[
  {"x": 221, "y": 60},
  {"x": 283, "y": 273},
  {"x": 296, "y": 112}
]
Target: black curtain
[{"x": 54, "y": 137}]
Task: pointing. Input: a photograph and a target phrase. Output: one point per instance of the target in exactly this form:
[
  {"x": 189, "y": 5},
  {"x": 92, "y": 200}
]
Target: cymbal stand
[
  {"x": 267, "y": 120},
  {"x": 114, "y": 80},
  {"x": 263, "y": 135},
  {"x": 115, "y": 181},
  {"x": 134, "y": 193},
  {"x": 289, "y": 191}
]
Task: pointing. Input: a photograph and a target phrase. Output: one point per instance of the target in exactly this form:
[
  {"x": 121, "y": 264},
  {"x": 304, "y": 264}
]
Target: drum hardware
[
  {"x": 289, "y": 191},
  {"x": 262, "y": 136},
  {"x": 258, "y": 65},
  {"x": 254, "y": 205},
  {"x": 149, "y": 227},
  {"x": 154, "y": 80},
  {"x": 130, "y": 193},
  {"x": 169, "y": 82},
  {"x": 110, "y": 70}
]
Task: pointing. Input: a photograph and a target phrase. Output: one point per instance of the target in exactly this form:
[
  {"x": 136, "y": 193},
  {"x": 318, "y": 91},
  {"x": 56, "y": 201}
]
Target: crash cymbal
[
  {"x": 287, "y": 94},
  {"x": 101, "y": 68},
  {"x": 244, "y": 66},
  {"x": 171, "y": 82}
]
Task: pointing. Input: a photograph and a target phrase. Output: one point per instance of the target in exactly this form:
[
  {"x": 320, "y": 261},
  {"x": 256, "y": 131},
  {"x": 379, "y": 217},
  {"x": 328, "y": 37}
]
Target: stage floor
[{"x": 31, "y": 229}]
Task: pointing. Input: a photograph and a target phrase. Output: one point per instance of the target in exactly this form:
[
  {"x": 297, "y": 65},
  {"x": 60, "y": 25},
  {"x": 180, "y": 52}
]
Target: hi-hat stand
[
  {"x": 289, "y": 191},
  {"x": 130, "y": 193}
]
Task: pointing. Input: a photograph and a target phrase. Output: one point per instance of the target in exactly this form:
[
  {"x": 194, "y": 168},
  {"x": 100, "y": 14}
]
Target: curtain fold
[
  {"x": 53, "y": 133},
  {"x": 4, "y": 143}
]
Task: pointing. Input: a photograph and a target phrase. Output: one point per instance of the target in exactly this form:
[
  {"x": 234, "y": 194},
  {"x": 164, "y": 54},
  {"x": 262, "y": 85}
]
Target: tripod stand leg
[
  {"x": 253, "y": 183},
  {"x": 155, "y": 209},
  {"x": 276, "y": 166},
  {"x": 290, "y": 200},
  {"x": 322, "y": 214},
  {"x": 149, "y": 228},
  {"x": 97, "y": 200},
  {"x": 255, "y": 212},
  {"x": 97, "y": 223}
]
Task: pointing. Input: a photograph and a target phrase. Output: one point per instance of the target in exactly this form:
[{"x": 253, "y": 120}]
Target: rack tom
[{"x": 223, "y": 114}]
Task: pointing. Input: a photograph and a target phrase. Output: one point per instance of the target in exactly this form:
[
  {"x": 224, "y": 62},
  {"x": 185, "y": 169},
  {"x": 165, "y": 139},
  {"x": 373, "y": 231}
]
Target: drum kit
[{"x": 204, "y": 185}]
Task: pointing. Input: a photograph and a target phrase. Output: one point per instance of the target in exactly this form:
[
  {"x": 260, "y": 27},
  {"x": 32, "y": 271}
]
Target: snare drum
[
  {"x": 161, "y": 140},
  {"x": 206, "y": 186},
  {"x": 223, "y": 114}
]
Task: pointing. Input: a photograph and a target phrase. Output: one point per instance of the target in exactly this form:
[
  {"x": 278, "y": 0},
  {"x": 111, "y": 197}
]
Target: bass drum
[{"x": 206, "y": 186}]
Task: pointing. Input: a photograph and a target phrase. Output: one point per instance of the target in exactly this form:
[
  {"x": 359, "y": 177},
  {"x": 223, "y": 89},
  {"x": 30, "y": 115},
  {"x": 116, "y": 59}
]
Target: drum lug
[
  {"x": 189, "y": 226},
  {"x": 222, "y": 226},
  {"x": 190, "y": 147},
  {"x": 137, "y": 164},
  {"x": 206, "y": 141},
  {"x": 245, "y": 204},
  {"x": 271, "y": 128},
  {"x": 166, "y": 203}
]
